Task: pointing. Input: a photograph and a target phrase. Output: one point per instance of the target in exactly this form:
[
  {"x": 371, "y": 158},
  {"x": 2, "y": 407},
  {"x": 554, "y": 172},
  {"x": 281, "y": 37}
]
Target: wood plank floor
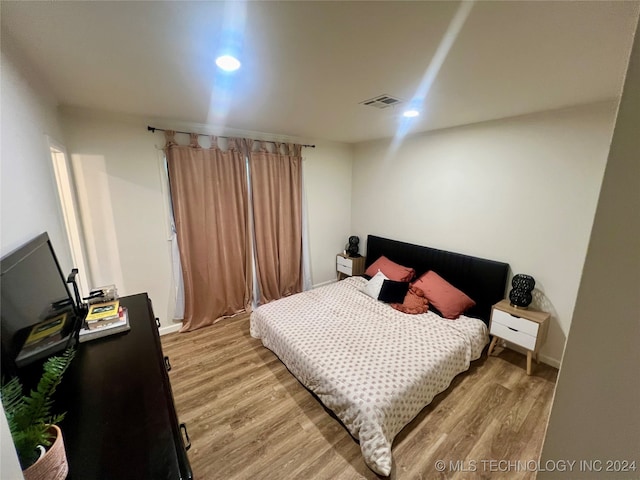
[{"x": 249, "y": 418}]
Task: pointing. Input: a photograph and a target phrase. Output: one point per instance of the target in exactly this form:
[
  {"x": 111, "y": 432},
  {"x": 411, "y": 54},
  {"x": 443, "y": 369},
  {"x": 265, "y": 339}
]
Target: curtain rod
[{"x": 153, "y": 130}]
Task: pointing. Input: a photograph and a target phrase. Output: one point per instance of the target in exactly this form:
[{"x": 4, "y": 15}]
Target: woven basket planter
[{"x": 53, "y": 464}]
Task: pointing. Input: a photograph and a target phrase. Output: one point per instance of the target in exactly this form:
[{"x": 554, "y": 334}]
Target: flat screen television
[{"x": 35, "y": 304}]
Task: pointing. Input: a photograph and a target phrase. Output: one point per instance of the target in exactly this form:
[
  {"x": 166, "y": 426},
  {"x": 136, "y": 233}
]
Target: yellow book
[
  {"x": 47, "y": 328},
  {"x": 101, "y": 311}
]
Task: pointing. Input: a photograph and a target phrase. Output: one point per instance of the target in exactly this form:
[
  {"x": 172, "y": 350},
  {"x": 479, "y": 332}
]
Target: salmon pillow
[
  {"x": 414, "y": 302},
  {"x": 449, "y": 301},
  {"x": 392, "y": 270}
]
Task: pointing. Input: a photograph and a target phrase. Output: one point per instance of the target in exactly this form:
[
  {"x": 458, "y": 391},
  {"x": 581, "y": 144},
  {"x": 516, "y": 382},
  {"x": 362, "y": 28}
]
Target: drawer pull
[
  {"x": 183, "y": 429},
  {"x": 513, "y": 329},
  {"x": 157, "y": 322},
  {"x": 514, "y": 316},
  {"x": 167, "y": 364}
]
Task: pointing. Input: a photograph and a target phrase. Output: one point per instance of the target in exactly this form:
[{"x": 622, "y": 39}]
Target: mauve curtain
[
  {"x": 276, "y": 192},
  {"x": 210, "y": 206}
]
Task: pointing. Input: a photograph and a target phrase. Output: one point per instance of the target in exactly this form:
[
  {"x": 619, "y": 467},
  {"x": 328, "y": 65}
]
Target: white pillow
[{"x": 373, "y": 286}]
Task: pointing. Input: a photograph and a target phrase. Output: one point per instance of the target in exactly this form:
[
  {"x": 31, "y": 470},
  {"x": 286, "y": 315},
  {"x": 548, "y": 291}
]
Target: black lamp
[{"x": 520, "y": 294}]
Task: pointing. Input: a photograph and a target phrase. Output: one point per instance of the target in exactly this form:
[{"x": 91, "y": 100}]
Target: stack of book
[
  {"x": 104, "y": 319},
  {"x": 46, "y": 338}
]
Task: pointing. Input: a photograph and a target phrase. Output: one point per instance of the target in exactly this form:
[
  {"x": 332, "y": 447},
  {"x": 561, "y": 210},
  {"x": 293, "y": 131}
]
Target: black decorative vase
[
  {"x": 352, "y": 247},
  {"x": 520, "y": 294}
]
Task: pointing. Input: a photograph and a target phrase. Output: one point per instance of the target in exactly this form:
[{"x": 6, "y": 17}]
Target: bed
[{"x": 375, "y": 367}]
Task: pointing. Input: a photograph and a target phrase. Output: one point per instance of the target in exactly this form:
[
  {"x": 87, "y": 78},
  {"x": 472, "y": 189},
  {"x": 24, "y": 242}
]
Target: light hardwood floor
[{"x": 249, "y": 418}]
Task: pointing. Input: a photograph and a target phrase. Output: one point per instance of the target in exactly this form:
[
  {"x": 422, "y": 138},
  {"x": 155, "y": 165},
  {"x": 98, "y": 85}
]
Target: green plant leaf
[{"x": 29, "y": 416}]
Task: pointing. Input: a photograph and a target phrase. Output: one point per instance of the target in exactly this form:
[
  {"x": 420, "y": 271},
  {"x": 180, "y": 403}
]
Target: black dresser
[{"x": 121, "y": 421}]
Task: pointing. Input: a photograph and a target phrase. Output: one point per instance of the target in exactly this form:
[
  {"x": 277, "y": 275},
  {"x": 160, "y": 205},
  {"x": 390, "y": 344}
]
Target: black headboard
[{"x": 485, "y": 281}]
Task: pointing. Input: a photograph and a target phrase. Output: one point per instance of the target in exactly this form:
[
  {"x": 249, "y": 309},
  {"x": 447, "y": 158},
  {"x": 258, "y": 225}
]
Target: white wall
[
  {"x": 596, "y": 409},
  {"x": 29, "y": 202},
  {"x": 521, "y": 190},
  {"x": 327, "y": 176},
  {"x": 9, "y": 464},
  {"x": 118, "y": 171},
  {"x": 125, "y": 214}
]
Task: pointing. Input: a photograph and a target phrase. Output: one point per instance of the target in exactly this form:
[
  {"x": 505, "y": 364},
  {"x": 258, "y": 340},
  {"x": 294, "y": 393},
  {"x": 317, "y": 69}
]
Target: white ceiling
[{"x": 307, "y": 65}]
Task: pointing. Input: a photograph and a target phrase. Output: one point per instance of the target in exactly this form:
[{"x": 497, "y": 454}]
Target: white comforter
[{"x": 373, "y": 366}]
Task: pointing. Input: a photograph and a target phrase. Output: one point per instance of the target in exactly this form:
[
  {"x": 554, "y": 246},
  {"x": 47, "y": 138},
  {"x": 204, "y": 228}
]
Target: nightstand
[
  {"x": 348, "y": 266},
  {"x": 525, "y": 328}
]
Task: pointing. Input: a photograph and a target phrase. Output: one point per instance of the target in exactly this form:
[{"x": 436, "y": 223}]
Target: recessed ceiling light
[
  {"x": 411, "y": 113},
  {"x": 228, "y": 63}
]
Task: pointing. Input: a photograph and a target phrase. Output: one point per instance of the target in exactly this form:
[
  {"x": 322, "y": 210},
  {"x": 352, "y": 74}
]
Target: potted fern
[{"x": 33, "y": 426}]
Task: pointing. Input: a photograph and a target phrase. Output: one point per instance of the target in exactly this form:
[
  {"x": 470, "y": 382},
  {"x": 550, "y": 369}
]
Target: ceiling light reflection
[
  {"x": 419, "y": 98},
  {"x": 228, "y": 63}
]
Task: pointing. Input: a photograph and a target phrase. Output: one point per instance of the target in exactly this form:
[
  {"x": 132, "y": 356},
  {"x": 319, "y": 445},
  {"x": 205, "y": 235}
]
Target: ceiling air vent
[{"x": 382, "y": 101}]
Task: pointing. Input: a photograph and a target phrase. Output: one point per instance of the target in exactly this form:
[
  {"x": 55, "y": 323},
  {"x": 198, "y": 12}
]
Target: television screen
[{"x": 37, "y": 309}]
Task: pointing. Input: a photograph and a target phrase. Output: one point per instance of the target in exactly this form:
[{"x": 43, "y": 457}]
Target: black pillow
[{"x": 393, "y": 292}]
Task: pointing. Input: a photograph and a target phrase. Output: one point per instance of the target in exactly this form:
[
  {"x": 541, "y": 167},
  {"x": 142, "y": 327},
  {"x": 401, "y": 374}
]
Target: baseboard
[
  {"x": 174, "y": 327},
  {"x": 543, "y": 358},
  {"x": 550, "y": 361},
  {"x": 322, "y": 284}
]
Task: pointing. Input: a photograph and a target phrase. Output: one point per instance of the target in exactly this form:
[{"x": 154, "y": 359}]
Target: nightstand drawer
[
  {"x": 344, "y": 262},
  {"x": 515, "y": 323},
  {"x": 514, "y": 336},
  {"x": 346, "y": 269}
]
